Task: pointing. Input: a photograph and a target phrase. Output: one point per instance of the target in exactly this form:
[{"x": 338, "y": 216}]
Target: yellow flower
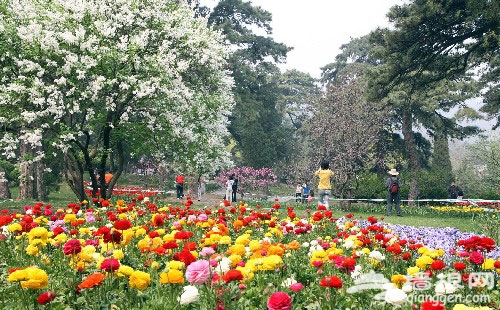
[
  {"x": 398, "y": 280},
  {"x": 235, "y": 259},
  {"x": 125, "y": 270},
  {"x": 69, "y": 217},
  {"x": 223, "y": 239},
  {"x": 155, "y": 265},
  {"x": 30, "y": 277},
  {"x": 39, "y": 233},
  {"x": 254, "y": 245},
  {"x": 243, "y": 239},
  {"x": 175, "y": 264},
  {"x": 237, "y": 249},
  {"x": 172, "y": 276},
  {"x": 139, "y": 280},
  {"x": 118, "y": 254},
  {"x": 423, "y": 261},
  {"x": 489, "y": 264},
  {"x": 32, "y": 250},
  {"x": 412, "y": 270},
  {"x": 15, "y": 227},
  {"x": 271, "y": 262},
  {"x": 140, "y": 232}
]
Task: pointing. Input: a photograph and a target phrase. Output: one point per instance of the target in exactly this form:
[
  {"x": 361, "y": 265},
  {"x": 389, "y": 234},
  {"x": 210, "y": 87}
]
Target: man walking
[{"x": 393, "y": 185}]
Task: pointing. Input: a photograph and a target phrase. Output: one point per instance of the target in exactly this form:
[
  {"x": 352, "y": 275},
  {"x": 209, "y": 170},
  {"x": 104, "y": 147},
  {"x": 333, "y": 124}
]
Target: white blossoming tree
[{"x": 107, "y": 76}]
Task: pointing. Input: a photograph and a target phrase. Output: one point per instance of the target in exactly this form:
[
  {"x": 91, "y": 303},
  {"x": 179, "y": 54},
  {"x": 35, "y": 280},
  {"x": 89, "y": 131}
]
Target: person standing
[
  {"x": 305, "y": 191},
  {"x": 229, "y": 188},
  {"x": 201, "y": 186},
  {"x": 179, "y": 186},
  {"x": 455, "y": 192},
  {"x": 393, "y": 185},
  {"x": 298, "y": 193},
  {"x": 234, "y": 189},
  {"x": 324, "y": 186}
]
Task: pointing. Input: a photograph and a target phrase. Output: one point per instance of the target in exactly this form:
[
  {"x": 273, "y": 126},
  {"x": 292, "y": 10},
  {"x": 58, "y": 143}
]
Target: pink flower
[
  {"x": 476, "y": 258},
  {"x": 296, "y": 287},
  {"x": 110, "y": 264},
  {"x": 73, "y": 246},
  {"x": 206, "y": 251},
  {"x": 198, "y": 272},
  {"x": 279, "y": 301}
]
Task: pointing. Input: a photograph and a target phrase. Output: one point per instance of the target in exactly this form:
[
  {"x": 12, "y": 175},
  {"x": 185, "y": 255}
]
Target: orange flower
[
  {"x": 294, "y": 245},
  {"x": 92, "y": 280},
  {"x": 275, "y": 250}
]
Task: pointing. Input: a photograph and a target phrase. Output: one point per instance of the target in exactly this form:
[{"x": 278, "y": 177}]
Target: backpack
[{"x": 394, "y": 187}]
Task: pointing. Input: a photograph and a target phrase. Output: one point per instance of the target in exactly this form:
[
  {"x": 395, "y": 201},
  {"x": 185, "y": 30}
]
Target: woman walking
[{"x": 324, "y": 186}]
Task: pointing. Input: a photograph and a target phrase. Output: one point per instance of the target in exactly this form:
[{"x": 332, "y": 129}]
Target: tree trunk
[
  {"x": 411, "y": 149},
  {"x": 40, "y": 188},
  {"x": 26, "y": 171},
  {"x": 73, "y": 174},
  {"x": 4, "y": 185}
]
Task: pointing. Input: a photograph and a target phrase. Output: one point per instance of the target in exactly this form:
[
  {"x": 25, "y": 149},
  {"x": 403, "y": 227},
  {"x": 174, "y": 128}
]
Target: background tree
[
  {"x": 114, "y": 75},
  {"x": 344, "y": 131},
  {"x": 255, "y": 119}
]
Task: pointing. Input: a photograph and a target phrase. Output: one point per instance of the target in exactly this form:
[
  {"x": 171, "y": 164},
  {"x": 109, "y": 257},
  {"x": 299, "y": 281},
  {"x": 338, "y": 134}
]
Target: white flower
[
  {"x": 395, "y": 296},
  {"x": 444, "y": 288},
  {"x": 407, "y": 288},
  {"x": 189, "y": 295},
  {"x": 348, "y": 244},
  {"x": 288, "y": 282},
  {"x": 377, "y": 255}
]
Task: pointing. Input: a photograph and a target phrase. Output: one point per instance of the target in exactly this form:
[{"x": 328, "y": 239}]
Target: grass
[{"x": 414, "y": 216}]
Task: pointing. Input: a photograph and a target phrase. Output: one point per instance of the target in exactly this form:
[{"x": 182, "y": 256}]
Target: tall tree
[
  {"x": 345, "y": 130},
  {"x": 255, "y": 120},
  {"x": 436, "y": 40},
  {"x": 111, "y": 75}
]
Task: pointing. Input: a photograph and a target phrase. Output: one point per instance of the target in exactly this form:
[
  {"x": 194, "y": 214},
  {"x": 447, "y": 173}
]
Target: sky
[{"x": 317, "y": 28}]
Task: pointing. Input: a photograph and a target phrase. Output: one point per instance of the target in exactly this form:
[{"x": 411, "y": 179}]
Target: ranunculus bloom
[
  {"x": 110, "y": 264},
  {"x": 123, "y": 224},
  {"x": 189, "y": 295},
  {"x": 139, "y": 280},
  {"x": 232, "y": 275},
  {"x": 31, "y": 277},
  {"x": 198, "y": 272},
  {"x": 296, "y": 287},
  {"x": 459, "y": 266},
  {"x": 331, "y": 281},
  {"x": 46, "y": 297},
  {"x": 432, "y": 305},
  {"x": 437, "y": 265},
  {"x": 395, "y": 296},
  {"x": 476, "y": 258},
  {"x": 279, "y": 301},
  {"x": 73, "y": 246},
  {"x": 92, "y": 280},
  {"x": 172, "y": 276}
]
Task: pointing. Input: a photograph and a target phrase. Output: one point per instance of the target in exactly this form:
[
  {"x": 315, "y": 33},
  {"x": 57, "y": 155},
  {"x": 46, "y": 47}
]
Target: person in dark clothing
[
  {"x": 179, "y": 186},
  {"x": 454, "y": 191},
  {"x": 235, "y": 188},
  {"x": 393, "y": 184}
]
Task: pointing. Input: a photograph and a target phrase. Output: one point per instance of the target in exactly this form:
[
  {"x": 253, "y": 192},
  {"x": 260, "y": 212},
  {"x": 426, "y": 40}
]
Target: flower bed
[{"x": 138, "y": 255}]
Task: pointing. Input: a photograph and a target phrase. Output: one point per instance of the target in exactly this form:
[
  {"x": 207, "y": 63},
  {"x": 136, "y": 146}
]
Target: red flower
[
  {"x": 73, "y": 246},
  {"x": 279, "y": 301},
  {"x": 497, "y": 264},
  {"x": 350, "y": 215},
  {"x": 437, "y": 265},
  {"x": 432, "y": 305},
  {"x": 406, "y": 255},
  {"x": 92, "y": 280},
  {"x": 232, "y": 275},
  {"x": 185, "y": 256},
  {"x": 110, "y": 264},
  {"x": 459, "y": 266},
  {"x": 46, "y": 297},
  {"x": 183, "y": 235},
  {"x": 170, "y": 245},
  {"x": 123, "y": 224},
  {"x": 331, "y": 281},
  {"x": 476, "y": 258}
]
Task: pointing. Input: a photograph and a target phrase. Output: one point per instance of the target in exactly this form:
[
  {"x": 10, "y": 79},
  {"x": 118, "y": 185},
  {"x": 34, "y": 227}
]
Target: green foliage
[{"x": 433, "y": 184}]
